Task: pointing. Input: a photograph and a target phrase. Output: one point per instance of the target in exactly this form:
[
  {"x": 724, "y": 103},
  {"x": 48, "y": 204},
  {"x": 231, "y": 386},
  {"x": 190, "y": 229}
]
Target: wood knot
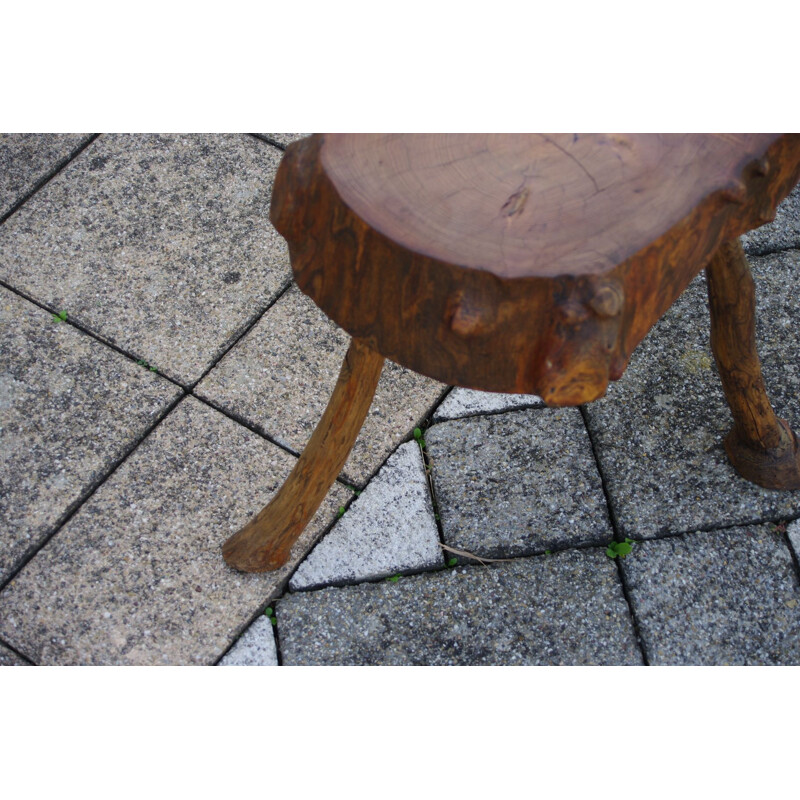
[
  {"x": 515, "y": 204},
  {"x": 608, "y": 299},
  {"x": 573, "y": 312},
  {"x": 470, "y": 316}
]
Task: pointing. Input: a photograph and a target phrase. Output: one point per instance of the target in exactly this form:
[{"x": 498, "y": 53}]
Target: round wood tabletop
[{"x": 532, "y": 204}]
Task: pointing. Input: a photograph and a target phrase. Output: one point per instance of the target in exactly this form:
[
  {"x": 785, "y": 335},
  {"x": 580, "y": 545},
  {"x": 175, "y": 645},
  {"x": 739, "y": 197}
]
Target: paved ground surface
[{"x": 151, "y": 423}]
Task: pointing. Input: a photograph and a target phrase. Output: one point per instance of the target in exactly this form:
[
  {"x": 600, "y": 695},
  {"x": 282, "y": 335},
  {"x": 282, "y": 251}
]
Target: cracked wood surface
[{"x": 523, "y": 263}]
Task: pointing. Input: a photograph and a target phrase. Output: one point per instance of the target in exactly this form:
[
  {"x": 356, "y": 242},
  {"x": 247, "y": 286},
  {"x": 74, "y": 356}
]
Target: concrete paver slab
[
  {"x": 782, "y": 233},
  {"x": 26, "y": 158},
  {"x": 469, "y": 402},
  {"x": 659, "y": 431},
  {"x": 8, "y": 658},
  {"x": 723, "y": 597},
  {"x": 136, "y": 576},
  {"x": 285, "y": 138},
  {"x": 388, "y": 529},
  {"x": 70, "y": 408},
  {"x": 255, "y": 648},
  {"x": 517, "y": 483},
  {"x": 562, "y": 609},
  {"x": 793, "y": 531},
  {"x": 280, "y": 376},
  {"x": 159, "y": 244}
]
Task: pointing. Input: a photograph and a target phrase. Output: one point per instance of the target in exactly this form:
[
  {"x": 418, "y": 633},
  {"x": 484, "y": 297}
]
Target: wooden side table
[{"x": 525, "y": 263}]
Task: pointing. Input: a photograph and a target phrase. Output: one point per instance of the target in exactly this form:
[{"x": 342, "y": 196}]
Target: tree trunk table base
[{"x": 523, "y": 263}]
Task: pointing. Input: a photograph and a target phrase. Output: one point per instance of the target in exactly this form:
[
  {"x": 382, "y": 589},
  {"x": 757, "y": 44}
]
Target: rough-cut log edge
[{"x": 444, "y": 321}]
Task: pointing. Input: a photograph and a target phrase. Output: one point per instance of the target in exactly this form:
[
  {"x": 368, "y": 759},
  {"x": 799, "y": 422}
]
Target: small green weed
[
  {"x": 393, "y": 579},
  {"x": 60, "y": 317},
  {"x": 142, "y": 363},
  {"x": 340, "y": 512},
  {"x": 620, "y": 549},
  {"x": 452, "y": 562},
  {"x": 270, "y": 615},
  {"x": 418, "y": 436}
]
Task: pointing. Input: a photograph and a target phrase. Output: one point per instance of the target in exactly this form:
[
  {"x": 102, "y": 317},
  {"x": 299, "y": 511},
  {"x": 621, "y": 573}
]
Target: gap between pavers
[
  {"x": 716, "y": 598},
  {"x": 160, "y": 245},
  {"x": 280, "y": 377},
  {"x": 793, "y": 532},
  {"x": 255, "y": 648},
  {"x": 389, "y": 528},
  {"x": 567, "y": 608},
  {"x": 8, "y": 658},
  {"x": 70, "y": 408},
  {"x": 27, "y": 158},
  {"x": 137, "y": 576},
  {"x": 469, "y": 402}
]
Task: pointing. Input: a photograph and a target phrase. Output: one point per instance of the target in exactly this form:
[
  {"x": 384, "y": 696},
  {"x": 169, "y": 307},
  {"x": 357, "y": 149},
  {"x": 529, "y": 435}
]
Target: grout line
[
  {"x": 244, "y": 330},
  {"x": 48, "y": 176},
  {"x": 245, "y": 423},
  {"x": 617, "y": 537},
  {"x": 88, "y": 331},
  {"x": 262, "y": 138},
  {"x": 18, "y": 653},
  {"x": 73, "y": 508}
]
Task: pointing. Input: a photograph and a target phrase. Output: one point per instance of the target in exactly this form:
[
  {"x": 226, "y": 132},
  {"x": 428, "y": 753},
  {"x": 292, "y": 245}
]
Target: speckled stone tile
[
  {"x": 469, "y": 402},
  {"x": 136, "y": 576},
  {"x": 562, "y": 609},
  {"x": 26, "y": 158},
  {"x": 782, "y": 233},
  {"x": 724, "y": 597},
  {"x": 659, "y": 431},
  {"x": 159, "y": 244},
  {"x": 389, "y": 528},
  {"x": 793, "y": 531},
  {"x": 517, "y": 483},
  {"x": 255, "y": 648},
  {"x": 8, "y": 658},
  {"x": 70, "y": 408},
  {"x": 285, "y": 138},
  {"x": 282, "y": 374}
]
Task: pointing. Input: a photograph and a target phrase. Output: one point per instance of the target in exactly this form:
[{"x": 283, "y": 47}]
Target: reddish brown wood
[
  {"x": 266, "y": 541},
  {"x": 522, "y": 263},
  {"x": 517, "y": 263},
  {"x": 762, "y": 447}
]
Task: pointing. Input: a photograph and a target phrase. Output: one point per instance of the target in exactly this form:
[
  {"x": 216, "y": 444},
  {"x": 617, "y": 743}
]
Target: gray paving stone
[
  {"x": 469, "y": 402},
  {"x": 8, "y": 658},
  {"x": 281, "y": 375},
  {"x": 782, "y": 233},
  {"x": 389, "y": 528},
  {"x": 136, "y": 576},
  {"x": 70, "y": 408},
  {"x": 26, "y": 158},
  {"x": 793, "y": 531},
  {"x": 285, "y": 138},
  {"x": 724, "y": 597},
  {"x": 159, "y": 244},
  {"x": 562, "y": 609},
  {"x": 255, "y": 648},
  {"x": 659, "y": 431},
  {"x": 517, "y": 483}
]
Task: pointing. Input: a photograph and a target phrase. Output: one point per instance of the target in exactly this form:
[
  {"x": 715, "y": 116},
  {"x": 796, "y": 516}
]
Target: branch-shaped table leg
[
  {"x": 265, "y": 542},
  {"x": 762, "y": 447}
]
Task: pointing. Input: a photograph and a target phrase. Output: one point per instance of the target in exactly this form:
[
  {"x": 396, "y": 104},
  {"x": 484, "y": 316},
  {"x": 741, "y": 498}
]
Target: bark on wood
[
  {"x": 266, "y": 541},
  {"x": 517, "y": 263}
]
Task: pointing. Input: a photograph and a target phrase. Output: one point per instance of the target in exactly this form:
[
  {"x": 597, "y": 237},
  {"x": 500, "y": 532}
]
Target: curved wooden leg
[
  {"x": 265, "y": 542},
  {"x": 762, "y": 447}
]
